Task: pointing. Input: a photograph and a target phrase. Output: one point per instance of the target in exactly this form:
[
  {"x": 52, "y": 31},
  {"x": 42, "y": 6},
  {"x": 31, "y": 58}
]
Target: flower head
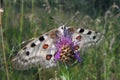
[{"x": 65, "y": 48}]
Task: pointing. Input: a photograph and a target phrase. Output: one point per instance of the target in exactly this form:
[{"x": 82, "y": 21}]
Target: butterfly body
[{"x": 62, "y": 44}]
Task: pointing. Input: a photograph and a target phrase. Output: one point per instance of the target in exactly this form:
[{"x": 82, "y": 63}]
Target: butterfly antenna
[
  {"x": 71, "y": 18},
  {"x": 76, "y": 13}
]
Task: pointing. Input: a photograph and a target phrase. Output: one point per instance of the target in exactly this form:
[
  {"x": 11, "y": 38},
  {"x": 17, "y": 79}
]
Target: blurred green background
[{"x": 25, "y": 19}]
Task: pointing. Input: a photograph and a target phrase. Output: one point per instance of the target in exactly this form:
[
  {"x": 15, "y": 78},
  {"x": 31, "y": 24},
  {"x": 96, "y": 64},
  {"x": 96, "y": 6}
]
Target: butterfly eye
[
  {"x": 76, "y": 47},
  {"x": 79, "y": 37},
  {"x": 62, "y": 27},
  {"x": 48, "y": 57},
  {"x": 45, "y": 46}
]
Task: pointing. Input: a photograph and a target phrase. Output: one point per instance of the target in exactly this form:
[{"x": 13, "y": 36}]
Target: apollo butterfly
[{"x": 62, "y": 44}]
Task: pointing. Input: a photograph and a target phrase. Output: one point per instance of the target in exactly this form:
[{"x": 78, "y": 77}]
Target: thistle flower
[{"x": 66, "y": 48}]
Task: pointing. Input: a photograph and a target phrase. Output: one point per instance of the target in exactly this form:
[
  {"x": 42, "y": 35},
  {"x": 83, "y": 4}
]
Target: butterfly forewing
[
  {"x": 89, "y": 37},
  {"x": 35, "y": 53}
]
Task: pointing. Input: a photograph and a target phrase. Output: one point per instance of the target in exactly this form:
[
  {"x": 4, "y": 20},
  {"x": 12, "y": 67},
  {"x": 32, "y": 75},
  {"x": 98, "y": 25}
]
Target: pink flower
[{"x": 65, "y": 40}]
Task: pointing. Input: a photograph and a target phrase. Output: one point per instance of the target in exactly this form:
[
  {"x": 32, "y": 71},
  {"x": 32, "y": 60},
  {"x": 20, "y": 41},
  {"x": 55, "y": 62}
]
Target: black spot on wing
[
  {"x": 94, "y": 37},
  {"x": 62, "y": 28},
  {"x": 41, "y": 38},
  {"x": 81, "y": 30},
  {"x": 33, "y": 45},
  {"x": 89, "y": 32},
  {"x": 27, "y": 53}
]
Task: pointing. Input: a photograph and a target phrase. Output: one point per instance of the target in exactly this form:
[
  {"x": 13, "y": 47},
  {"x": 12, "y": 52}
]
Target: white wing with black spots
[
  {"x": 37, "y": 52},
  {"x": 89, "y": 37}
]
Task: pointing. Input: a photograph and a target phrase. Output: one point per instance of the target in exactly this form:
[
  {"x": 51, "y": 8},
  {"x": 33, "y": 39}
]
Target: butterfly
[{"x": 62, "y": 44}]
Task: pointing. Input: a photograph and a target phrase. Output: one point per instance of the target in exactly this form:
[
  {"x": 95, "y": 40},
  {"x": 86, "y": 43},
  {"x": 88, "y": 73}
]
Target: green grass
[{"x": 22, "y": 21}]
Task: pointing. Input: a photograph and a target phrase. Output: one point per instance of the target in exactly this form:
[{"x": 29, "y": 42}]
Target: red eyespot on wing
[
  {"x": 76, "y": 47},
  {"x": 48, "y": 57},
  {"x": 45, "y": 46},
  {"x": 79, "y": 37}
]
